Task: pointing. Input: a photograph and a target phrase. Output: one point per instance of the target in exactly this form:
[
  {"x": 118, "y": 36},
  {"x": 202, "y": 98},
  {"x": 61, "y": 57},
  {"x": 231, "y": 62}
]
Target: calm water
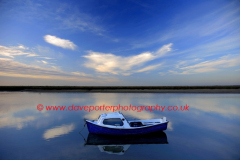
[{"x": 209, "y": 130}]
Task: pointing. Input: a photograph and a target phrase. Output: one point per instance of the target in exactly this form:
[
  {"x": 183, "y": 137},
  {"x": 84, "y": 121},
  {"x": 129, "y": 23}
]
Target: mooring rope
[
  {"x": 83, "y": 127},
  {"x": 82, "y": 135}
]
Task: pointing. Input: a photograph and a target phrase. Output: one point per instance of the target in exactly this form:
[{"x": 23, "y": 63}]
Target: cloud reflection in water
[{"x": 58, "y": 131}]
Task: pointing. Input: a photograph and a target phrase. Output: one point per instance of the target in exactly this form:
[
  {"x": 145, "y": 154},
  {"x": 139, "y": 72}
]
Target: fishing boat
[{"x": 116, "y": 124}]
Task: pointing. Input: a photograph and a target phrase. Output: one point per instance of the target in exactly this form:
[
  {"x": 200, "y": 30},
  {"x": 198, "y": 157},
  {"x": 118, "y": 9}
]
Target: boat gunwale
[{"x": 127, "y": 128}]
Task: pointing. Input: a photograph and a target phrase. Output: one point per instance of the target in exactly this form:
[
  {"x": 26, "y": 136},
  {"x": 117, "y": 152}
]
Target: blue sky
[{"x": 119, "y": 42}]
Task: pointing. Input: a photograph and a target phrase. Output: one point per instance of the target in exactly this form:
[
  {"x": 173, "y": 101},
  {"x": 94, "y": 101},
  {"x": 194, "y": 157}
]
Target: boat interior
[{"x": 136, "y": 124}]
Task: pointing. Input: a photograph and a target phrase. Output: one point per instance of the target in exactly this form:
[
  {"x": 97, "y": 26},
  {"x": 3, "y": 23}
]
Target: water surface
[{"x": 209, "y": 130}]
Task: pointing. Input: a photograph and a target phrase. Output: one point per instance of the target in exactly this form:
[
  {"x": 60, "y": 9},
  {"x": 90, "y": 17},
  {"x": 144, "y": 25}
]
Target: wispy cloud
[
  {"x": 45, "y": 62},
  {"x": 216, "y": 47},
  {"x": 32, "y": 55},
  {"x": 79, "y": 21},
  {"x": 80, "y": 74},
  {"x": 152, "y": 67},
  {"x": 208, "y": 66},
  {"x": 47, "y": 58},
  {"x": 62, "y": 16},
  {"x": 16, "y": 51},
  {"x": 11, "y": 68},
  {"x": 206, "y": 27},
  {"x": 64, "y": 43},
  {"x": 103, "y": 62}
]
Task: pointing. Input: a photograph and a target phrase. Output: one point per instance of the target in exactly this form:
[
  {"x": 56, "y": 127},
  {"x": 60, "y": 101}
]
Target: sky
[{"x": 119, "y": 42}]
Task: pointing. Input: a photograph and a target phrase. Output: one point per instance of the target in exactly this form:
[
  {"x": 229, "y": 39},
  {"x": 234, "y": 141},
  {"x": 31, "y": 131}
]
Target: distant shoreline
[{"x": 125, "y": 89}]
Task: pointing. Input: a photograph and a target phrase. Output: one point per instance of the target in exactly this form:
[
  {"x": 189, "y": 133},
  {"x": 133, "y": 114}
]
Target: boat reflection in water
[{"x": 119, "y": 145}]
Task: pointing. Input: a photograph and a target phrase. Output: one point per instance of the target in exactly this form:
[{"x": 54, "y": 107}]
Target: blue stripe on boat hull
[{"x": 92, "y": 128}]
